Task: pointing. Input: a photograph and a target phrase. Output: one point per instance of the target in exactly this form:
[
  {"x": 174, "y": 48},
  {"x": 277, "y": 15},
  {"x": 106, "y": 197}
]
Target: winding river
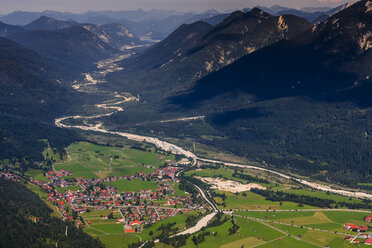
[{"x": 114, "y": 105}]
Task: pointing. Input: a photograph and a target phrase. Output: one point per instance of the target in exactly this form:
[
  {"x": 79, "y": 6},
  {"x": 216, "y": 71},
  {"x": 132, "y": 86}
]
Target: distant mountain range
[
  {"x": 193, "y": 51},
  {"x": 75, "y": 45},
  {"x": 335, "y": 55},
  {"x": 158, "y": 24}
]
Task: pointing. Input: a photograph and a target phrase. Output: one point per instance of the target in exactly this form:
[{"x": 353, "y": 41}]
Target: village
[{"x": 131, "y": 210}]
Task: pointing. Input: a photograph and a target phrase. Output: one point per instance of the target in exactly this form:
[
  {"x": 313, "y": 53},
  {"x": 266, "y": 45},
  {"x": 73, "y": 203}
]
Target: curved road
[
  {"x": 178, "y": 150},
  {"x": 108, "y": 66}
]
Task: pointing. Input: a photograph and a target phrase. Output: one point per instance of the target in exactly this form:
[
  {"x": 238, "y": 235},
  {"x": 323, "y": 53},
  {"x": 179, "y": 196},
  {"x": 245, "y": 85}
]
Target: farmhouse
[
  {"x": 368, "y": 242},
  {"x": 368, "y": 218}
]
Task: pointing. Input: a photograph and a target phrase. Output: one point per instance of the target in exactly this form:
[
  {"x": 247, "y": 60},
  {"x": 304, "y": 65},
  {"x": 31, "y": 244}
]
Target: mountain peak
[
  {"x": 48, "y": 23},
  {"x": 258, "y": 12}
]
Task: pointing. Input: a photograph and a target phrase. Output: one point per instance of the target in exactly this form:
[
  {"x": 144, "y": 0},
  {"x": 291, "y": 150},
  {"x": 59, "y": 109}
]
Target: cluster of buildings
[
  {"x": 354, "y": 240},
  {"x": 74, "y": 196},
  {"x": 10, "y": 176},
  {"x": 137, "y": 208},
  {"x": 148, "y": 214},
  {"x": 355, "y": 228}
]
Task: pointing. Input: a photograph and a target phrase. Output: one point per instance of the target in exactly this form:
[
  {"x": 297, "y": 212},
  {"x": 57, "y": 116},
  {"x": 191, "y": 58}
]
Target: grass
[
  {"x": 343, "y": 217},
  {"x": 180, "y": 221},
  {"x": 315, "y": 218},
  {"x": 220, "y": 172},
  {"x": 99, "y": 213},
  {"x": 44, "y": 197},
  {"x": 286, "y": 242},
  {"x": 247, "y": 242},
  {"x": 134, "y": 185},
  {"x": 178, "y": 191},
  {"x": 90, "y": 160},
  {"x": 315, "y": 237},
  {"x": 250, "y": 232},
  {"x": 110, "y": 228},
  {"x": 37, "y": 175},
  {"x": 117, "y": 240},
  {"x": 254, "y": 201},
  {"x": 325, "y": 220},
  {"x": 276, "y": 215},
  {"x": 66, "y": 189},
  {"x": 323, "y": 195}
]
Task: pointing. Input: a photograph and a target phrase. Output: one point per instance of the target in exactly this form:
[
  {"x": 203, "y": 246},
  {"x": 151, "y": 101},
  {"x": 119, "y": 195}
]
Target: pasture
[
  {"x": 250, "y": 200},
  {"x": 93, "y": 161}
]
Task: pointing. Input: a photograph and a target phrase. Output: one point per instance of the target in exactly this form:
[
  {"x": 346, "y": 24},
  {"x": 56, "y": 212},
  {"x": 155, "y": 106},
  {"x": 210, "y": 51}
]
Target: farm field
[
  {"x": 37, "y": 175},
  {"x": 93, "y": 161},
  {"x": 323, "y": 195},
  {"x": 220, "y": 172},
  {"x": 112, "y": 234},
  {"x": 180, "y": 221},
  {"x": 316, "y": 237},
  {"x": 250, "y": 200},
  {"x": 325, "y": 220},
  {"x": 134, "y": 185},
  {"x": 225, "y": 173},
  {"x": 251, "y": 233}
]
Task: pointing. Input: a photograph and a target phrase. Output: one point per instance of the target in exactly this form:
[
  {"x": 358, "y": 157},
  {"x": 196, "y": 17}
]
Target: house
[
  {"x": 135, "y": 223},
  {"x": 363, "y": 229},
  {"x": 355, "y": 241},
  {"x": 368, "y": 218},
  {"x": 130, "y": 230},
  {"x": 368, "y": 242},
  {"x": 351, "y": 226}
]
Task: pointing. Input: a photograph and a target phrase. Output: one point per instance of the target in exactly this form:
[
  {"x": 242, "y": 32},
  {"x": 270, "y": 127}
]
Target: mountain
[
  {"x": 141, "y": 15},
  {"x": 75, "y": 46},
  {"x": 327, "y": 58},
  {"x": 47, "y": 23},
  {"x": 20, "y": 17},
  {"x": 19, "y": 207},
  {"x": 301, "y": 104},
  {"x": 316, "y": 9},
  {"x": 214, "y": 20},
  {"x": 121, "y": 35},
  {"x": 6, "y": 29},
  {"x": 115, "y": 35},
  {"x": 333, "y": 11},
  {"x": 31, "y": 96},
  {"x": 271, "y": 10},
  {"x": 193, "y": 51},
  {"x": 312, "y": 17},
  {"x": 176, "y": 43}
]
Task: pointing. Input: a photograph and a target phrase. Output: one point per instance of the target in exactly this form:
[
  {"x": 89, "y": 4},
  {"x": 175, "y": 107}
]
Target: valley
[
  {"x": 154, "y": 128},
  {"x": 114, "y": 105}
]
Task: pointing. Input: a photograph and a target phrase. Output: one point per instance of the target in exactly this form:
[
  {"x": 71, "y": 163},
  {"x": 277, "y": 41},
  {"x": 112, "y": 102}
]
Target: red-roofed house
[
  {"x": 368, "y": 242},
  {"x": 135, "y": 223},
  {"x": 368, "y": 218}
]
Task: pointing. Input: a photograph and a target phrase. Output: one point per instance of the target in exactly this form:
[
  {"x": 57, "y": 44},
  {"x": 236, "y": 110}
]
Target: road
[
  {"x": 172, "y": 148},
  {"x": 113, "y": 106}
]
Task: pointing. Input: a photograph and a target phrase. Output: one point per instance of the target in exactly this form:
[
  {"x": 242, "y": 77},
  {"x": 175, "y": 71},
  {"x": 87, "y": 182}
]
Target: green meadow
[
  {"x": 250, "y": 233},
  {"x": 134, "y": 185},
  {"x": 91, "y": 161},
  {"x": 250, "y": 200}
]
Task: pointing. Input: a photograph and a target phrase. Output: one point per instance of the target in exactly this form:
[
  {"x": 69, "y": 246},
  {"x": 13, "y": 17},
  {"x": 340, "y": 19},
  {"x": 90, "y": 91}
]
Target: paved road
[{"x": 106, "y": 67}]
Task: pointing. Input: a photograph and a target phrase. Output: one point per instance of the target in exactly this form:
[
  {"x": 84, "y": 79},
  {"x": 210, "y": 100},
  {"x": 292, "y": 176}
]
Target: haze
[{"x": 8, "y": 6}]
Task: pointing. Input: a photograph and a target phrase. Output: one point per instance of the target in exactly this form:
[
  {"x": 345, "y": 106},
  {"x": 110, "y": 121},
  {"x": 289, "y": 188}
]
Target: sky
[{"x": 79, "y": 6}]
